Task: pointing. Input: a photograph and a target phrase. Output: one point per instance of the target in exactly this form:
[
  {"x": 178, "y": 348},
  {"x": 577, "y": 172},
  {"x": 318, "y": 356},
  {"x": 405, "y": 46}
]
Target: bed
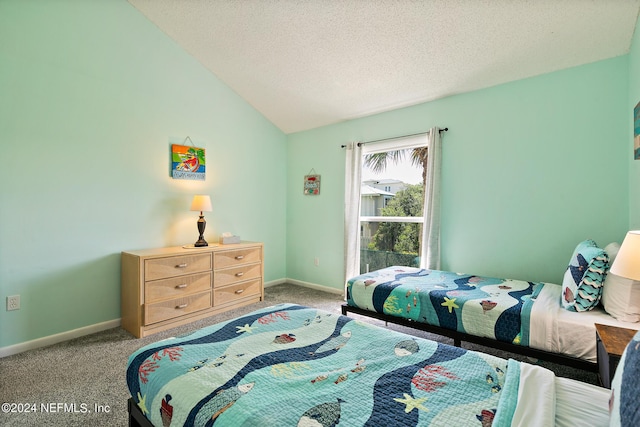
[
  {"x": 290, "y": 365},
  {"x": 519, "y": 316}
]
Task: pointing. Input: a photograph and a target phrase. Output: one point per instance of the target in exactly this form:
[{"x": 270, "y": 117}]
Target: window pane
[
  {"x": 392, "y": 186},
  {"x": 390, "y": 174},
  {"x": 384, "y": 244}
]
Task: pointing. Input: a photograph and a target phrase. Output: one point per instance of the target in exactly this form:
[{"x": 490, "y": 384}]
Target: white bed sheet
[
  {"x": 536, "y": 397},
  {"x": 580, "y": 404},
  {"x": 546, "y": 400},
  {"x": 558, "y": 330}
]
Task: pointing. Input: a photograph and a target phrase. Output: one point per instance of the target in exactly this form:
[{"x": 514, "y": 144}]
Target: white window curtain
[
  {"x": 430, "y": 250},
  {"x": 352, "y": 210}
]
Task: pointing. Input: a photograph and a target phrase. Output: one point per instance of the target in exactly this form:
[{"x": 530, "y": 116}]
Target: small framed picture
[
  {"x": 312, "y": 185},
  {"x": 187, "y": 162}
]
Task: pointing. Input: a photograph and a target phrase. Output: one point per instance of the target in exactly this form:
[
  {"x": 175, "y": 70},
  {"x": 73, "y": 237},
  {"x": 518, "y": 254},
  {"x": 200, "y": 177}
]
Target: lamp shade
[
  {"x": 627, "y": 262},
  {"x": 201, "y": 203}
]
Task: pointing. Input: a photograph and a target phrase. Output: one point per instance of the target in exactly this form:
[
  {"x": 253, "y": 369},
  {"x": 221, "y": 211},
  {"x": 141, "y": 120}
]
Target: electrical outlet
[
  {"x": 13, "y": 302},
  {"x": 316, "y": 261}
]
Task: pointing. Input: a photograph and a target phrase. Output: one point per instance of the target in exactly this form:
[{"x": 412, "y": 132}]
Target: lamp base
[
  {"x": 200, "y": 243},
  {"x": 201, "y": 225}
]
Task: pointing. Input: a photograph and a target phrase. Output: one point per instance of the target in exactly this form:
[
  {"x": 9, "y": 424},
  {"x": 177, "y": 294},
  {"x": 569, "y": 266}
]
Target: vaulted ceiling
[{"x": 309, "y": 63}]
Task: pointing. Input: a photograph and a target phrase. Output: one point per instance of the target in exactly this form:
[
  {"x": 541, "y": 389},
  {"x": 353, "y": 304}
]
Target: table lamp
[
  {"x": 627, "y": 262},
  {"x": 201, "y": 203}
]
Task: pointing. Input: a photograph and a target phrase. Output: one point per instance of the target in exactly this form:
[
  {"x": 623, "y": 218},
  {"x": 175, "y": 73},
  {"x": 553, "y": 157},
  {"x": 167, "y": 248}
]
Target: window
[{"x": 391, "y": 202}]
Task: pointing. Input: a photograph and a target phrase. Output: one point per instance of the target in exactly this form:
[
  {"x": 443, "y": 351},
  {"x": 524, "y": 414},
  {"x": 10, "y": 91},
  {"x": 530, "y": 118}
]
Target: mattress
[
  {"x": 290, "y": 365},
  {"x": 557, "y": 330}
]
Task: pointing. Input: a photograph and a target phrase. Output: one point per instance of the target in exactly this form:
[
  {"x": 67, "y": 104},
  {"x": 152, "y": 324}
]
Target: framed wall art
[
  {"x": 187, "y": 162},
  {"x": 312, "y": 184}
]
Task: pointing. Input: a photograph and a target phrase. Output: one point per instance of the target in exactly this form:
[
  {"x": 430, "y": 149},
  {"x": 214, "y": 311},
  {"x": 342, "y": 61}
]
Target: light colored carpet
[{"x": 71, "y": 378}]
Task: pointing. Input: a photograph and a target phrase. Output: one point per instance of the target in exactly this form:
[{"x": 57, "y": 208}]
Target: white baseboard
[
  {"x": 54, "y": 339},
  {"x": 274, "y": 282},
  {"x": 99, "y": 327},
  {"x": 314, "y": 286}
]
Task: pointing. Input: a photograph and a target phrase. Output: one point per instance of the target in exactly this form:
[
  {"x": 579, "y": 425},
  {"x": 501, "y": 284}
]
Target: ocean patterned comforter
[
  {"x": 487, "y": 307},
  {"x": 290, "y": 365}
]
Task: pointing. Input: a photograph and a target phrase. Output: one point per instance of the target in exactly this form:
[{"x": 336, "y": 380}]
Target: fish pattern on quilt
[
  {"x": 337, "y": 371},
  {"x": 482, "y": 306}
]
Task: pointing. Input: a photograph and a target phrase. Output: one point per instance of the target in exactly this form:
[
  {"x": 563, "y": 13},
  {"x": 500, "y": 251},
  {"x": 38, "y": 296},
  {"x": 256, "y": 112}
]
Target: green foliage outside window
[{"x": 400, "y": 237}]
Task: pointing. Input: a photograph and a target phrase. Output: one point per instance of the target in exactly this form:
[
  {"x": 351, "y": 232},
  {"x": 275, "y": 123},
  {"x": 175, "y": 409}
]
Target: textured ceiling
[{"x": 309, "y": 63}]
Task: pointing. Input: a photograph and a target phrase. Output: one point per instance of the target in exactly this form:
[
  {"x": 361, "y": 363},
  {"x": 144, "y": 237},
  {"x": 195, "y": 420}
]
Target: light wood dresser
[{"x": 166, "y": 287}]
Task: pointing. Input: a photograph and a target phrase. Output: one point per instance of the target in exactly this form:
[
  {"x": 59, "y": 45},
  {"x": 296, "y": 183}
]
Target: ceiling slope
[{"x": 305, "y": 64}]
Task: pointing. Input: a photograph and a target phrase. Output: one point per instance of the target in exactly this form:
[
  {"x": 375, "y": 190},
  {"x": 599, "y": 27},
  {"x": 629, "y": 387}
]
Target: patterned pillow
[
  {"x": 624, "y": 403},
  {"x": 582, "y": 283}
]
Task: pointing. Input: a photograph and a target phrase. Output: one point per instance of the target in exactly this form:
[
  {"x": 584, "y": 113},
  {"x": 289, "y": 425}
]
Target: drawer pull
[
  {"x": 181, "y": 286},
  {"x": 239, "y": 291},
  {"x": 181, "y": 306},
  {"x": 183, "y": 265},
  {"x": 239, "y": 274},
  {"x": 239, "y": 257}
]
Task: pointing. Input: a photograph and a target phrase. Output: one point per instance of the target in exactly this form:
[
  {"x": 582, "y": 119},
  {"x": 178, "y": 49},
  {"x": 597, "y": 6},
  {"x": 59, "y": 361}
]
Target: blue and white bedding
[
  {"x": 481, "y": 306},
  {"x": 514, "y": 311},
  {"x": 290, "y": 365}
]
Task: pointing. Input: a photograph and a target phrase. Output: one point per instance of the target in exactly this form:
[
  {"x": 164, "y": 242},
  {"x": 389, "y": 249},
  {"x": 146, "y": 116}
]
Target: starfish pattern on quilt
[
  {"x": 450, "y": 303},
  {"x": 412, "y": 403}
]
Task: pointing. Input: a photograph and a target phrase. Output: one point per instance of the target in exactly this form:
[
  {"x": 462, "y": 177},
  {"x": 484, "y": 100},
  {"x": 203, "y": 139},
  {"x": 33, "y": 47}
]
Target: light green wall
[
  {"x": 530, "y": 168},
  {"x": 92, "y": 94},
  {"x": 634, "y": 98}
]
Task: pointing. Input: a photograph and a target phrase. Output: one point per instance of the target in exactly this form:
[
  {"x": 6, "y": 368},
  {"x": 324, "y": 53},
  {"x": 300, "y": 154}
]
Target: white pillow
[
  {"x": 620, "y": 296},
  {"x": 612, "y": 250}
]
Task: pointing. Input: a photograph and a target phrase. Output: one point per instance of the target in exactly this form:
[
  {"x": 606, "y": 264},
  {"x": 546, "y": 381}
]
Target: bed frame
[
  {"x": 458, "y": 337},
  {"x": 136, "y": 417}
]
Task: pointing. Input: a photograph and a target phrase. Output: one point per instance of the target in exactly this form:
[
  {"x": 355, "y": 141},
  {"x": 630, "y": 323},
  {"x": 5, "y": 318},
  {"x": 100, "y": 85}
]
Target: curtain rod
[{"x": 395, "y": 137}]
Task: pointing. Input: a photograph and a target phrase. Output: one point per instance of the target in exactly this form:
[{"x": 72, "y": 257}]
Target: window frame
[{"x": 395, "y": 144}]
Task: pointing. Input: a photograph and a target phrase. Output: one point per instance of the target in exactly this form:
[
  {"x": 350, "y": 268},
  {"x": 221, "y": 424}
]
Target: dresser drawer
[
  {"x": 235, "y": 257},
  {"x": 161, "y": 268},
  {"x": 177, "y": 287},
  {"x": 238, "y": 291},
  {"x": 176, "y": 307},
  {"x": 229, "y": 276}
]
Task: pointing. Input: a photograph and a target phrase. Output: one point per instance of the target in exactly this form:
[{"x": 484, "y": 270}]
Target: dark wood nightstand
[{"x": 610, "y": 343}]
